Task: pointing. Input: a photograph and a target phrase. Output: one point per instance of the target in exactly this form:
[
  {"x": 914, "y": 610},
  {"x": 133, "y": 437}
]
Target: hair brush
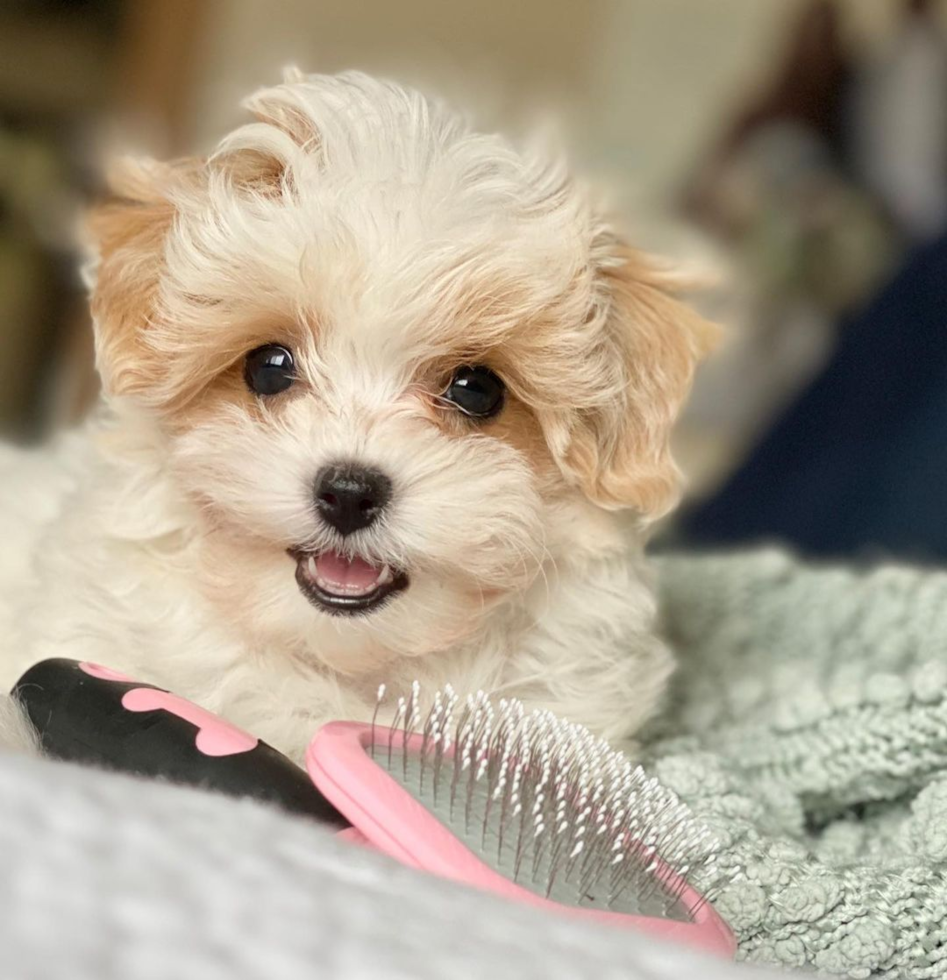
[
  {"x": 520, "y": 803},
  {"x": 528, "y": 806}
]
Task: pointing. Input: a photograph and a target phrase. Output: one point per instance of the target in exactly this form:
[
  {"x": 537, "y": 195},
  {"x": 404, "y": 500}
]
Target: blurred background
[{"x": 799, "y": 146}]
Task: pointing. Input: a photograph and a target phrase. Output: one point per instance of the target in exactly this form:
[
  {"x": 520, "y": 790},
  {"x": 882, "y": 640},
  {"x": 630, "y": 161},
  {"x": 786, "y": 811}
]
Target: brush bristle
[{"x": 548, "y": 804}]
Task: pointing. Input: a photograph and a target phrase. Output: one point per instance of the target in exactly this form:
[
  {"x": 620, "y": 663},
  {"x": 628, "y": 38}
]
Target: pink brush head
[{"x": 528, "y": 806}]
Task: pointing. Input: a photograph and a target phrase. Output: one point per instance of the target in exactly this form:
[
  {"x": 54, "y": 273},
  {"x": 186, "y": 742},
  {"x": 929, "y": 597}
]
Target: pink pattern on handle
[
  {"x": 215, "y": 736},
  {"x": 103, "y": 673}
]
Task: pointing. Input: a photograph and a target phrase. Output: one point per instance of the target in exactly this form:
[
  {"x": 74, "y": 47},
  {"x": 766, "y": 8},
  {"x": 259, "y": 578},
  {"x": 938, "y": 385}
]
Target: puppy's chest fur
[{"x": 106, "y": 563}]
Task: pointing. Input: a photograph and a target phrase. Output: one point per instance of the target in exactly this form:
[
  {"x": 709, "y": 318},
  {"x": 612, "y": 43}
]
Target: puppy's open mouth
[{"x": 337, "y": 584}]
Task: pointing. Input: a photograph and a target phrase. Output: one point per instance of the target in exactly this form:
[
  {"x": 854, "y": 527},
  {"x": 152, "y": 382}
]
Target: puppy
[{"x": 385, "y": 400}]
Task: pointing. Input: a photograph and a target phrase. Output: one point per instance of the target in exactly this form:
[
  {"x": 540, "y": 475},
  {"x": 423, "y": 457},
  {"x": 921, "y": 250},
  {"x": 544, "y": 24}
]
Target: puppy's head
[{"x": 400, "y": 367}]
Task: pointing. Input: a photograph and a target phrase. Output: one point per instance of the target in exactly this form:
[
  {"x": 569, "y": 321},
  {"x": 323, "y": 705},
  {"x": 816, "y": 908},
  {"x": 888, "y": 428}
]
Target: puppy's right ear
[{"x": 127, "y": 234}]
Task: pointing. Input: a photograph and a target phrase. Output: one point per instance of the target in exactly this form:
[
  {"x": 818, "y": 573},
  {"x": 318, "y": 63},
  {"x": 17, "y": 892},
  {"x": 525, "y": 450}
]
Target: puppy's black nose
[{"x": 350, "y": 498}]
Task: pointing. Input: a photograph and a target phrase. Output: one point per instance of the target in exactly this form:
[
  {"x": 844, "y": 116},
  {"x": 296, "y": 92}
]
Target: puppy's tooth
[
  {"x": 311, "y": 567},
  {"x": 385, "y": 577}
]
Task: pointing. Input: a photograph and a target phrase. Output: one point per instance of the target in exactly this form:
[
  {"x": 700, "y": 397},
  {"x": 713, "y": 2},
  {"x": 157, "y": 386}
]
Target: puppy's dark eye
[
  {"x": 269, "y": 370},
  {"x": 476, "y": 391}
]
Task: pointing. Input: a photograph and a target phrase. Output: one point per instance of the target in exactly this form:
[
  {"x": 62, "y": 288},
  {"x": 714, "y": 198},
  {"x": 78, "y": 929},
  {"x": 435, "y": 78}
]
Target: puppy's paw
[{"x": 16, "y": 732}]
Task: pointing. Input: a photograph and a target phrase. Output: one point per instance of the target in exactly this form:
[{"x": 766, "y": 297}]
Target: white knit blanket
[{"x": 104, "y": 877}]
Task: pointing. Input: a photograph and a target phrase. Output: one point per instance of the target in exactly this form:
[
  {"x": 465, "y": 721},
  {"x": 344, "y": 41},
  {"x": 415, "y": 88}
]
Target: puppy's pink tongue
[{"x": 354, "y": 576}]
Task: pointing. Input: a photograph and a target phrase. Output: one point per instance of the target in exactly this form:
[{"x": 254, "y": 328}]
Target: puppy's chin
[
  {"x": 432, "y": 615},
  {"x": 255, "y": 589}
]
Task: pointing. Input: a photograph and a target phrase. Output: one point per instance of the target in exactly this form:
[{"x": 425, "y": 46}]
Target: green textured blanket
[{"x": 807, "y": 724}]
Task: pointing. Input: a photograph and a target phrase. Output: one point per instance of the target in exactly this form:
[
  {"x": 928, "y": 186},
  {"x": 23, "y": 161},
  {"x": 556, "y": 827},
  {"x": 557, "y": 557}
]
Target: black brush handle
[{"x": 90, "y": 714}]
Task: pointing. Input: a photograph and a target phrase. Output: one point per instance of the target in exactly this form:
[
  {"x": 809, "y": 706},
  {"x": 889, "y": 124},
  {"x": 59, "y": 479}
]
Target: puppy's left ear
[{"x": 650, "y": 341}]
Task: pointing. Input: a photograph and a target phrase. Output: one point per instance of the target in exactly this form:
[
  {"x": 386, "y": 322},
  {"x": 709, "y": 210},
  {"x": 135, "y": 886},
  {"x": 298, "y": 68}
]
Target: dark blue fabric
[{"x": 859, "y": 462}]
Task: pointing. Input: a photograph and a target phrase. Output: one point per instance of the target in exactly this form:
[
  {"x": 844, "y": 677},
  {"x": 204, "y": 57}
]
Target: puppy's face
[{"x": 402, "y": 369}]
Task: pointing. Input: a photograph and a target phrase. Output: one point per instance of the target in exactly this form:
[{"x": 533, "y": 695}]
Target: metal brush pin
[{"x": 548, "y": 805}]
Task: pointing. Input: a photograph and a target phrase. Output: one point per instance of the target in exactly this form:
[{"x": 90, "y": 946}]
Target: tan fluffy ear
[
  {"x": 127, "y": 234},
  {"x": 619, "y": 451}
]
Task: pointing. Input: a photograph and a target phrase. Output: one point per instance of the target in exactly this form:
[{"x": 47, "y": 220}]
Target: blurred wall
[
  {"x": 502, "y": 56},
  {"x": 642, "y": 85},
  {"x": 667, "y": 71}
]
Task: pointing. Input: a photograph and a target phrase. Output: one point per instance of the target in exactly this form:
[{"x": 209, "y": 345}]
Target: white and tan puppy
[{"x": 385, "y": 399}]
